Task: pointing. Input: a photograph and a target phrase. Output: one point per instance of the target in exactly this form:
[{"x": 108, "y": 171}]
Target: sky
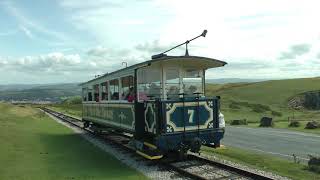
[{"x": 59, "y": 41}]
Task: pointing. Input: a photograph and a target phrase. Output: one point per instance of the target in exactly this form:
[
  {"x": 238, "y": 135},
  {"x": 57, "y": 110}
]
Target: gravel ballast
[{"x": 143, "y": 166}]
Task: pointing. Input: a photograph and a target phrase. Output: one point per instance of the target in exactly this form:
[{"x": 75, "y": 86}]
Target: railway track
[{"x": 193, "y": 167}]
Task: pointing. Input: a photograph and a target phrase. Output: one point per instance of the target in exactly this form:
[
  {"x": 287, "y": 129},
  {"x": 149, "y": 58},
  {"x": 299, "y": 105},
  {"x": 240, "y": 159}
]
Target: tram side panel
[{"x": 113, "y": 115}]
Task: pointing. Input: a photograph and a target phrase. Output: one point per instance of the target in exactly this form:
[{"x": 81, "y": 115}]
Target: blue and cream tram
[{"x": 161, "y": 102}]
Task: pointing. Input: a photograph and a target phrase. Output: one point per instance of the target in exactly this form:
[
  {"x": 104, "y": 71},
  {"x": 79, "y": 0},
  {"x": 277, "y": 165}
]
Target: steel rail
[{"x": 166, "y": 163}]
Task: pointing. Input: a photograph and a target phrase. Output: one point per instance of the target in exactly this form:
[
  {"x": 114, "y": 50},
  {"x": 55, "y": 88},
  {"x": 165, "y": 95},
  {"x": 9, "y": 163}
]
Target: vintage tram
[{"x": 160, "y": 102}]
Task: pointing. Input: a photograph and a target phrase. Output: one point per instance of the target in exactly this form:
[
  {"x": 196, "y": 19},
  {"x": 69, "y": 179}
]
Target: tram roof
[{"x": 202, "y": 62}]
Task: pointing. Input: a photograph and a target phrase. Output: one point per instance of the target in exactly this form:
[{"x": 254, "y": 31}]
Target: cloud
[
  {"x": 60, "y": 63},
  {"x": 98, "y": 51},
  {"x": 295, "y": 51},
  {"x": 76, "y": 5},
  {"x": 151, "y": 47},
  {"x": 55, "y": 62},
  {"x": 3, "y": 62},
  {"x": 101, "y": 51},
  {"x": 27, "y": 23},
  {"x": 27, "y": 32},
  {"x": 155, "y": 47}
]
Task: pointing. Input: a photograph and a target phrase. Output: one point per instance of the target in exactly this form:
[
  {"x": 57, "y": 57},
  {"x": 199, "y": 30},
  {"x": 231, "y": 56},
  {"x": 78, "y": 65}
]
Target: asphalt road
[{"x": 278, "y": 142}]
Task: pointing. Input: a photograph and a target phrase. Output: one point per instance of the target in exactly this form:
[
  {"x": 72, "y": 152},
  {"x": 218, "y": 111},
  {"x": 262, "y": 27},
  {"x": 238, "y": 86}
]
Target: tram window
[
  {"x": 192, "y": 82},
  {"x": 104, "y": 91},
  {"x": 149, "y": 83},
  {"x": 84, "y": 94},
  {"x": 172, "y": 83},
  {"x": 127, "y": 88},
  {"x": 96, "y": 92},
  {"x": 89, "y": 96},
  {"x": 114, "y": 89}
]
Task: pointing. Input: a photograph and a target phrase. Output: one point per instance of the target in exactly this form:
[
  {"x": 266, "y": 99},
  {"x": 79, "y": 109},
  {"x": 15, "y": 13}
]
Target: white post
[
  {"x": 180, "y": 79},
  {"x": 164, "y": 92},
  {"x": 120, "y": 88},
  {"x": 108, "y": 90}
]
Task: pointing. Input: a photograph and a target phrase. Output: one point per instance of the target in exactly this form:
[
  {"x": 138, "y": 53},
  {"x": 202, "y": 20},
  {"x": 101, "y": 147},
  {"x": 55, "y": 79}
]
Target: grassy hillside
[
  {"x": 71, "y": 106},
  {"x": 33, "y": 146},
  {"x": 254, "y": 100},
  {"x": 53, "y": 92}
]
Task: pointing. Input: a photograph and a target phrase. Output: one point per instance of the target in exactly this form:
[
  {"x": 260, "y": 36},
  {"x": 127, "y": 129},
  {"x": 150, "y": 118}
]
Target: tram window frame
[
  {"x": 96, "y": 90},
  {"x": 90, "y": 96},
  {"x": 104, "y": 91},
  {"x": 193, "y": 81},
  {"x": 114, "y": 88},
  {"x": 127, "y": 83},
  {"x": 172, "y": 82},
  {"x": 84, "y": 94},
  {"x": 149, "y": 83}
]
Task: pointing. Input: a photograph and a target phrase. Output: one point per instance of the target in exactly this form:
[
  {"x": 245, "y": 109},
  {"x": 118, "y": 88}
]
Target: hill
[
  {"x": 268, "y": 98},
  {"x": 233, "y": 80},
  {"x": 49, "y": 92}
]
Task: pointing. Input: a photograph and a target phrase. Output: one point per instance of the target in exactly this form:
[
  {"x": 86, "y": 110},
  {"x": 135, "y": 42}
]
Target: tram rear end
[{"x": 180, "y": 125}]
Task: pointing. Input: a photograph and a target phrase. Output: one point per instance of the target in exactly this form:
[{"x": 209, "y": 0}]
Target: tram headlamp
[{"x": 222, "y": 123}]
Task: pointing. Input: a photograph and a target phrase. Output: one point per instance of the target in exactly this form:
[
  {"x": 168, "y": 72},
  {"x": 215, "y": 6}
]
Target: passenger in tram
[
  {"x": 142, "y": 95},
  {"x": 192, "y": 89},
  {"x": 115, "y": 96},
  {"x": 130, "y": 95},
  {"x": 173, "y": 92}
]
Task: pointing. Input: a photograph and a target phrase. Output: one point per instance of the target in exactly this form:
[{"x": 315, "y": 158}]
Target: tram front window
[
  {"x": 149, "y": 83},
  {"x": 192, "y": 82},
  {"x": 172, "y": 83}
]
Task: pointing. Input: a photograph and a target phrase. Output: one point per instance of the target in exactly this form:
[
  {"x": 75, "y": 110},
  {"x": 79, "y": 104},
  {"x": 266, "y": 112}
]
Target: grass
[
  {"x": 33, "y": 146},
  {"x": 74, "y": 110},
  {"x": 284, "y": 125},
  {"x": 252, "y": 101},
  {"x": 263, "y": 162}
]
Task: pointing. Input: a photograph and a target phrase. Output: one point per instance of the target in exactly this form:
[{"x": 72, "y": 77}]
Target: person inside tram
[
  {"x": 192, "y": 89},
  {"x": 142, "y": 94},
  {"x": 130, "y": 96},
  {"x": 173, "y": 92}
]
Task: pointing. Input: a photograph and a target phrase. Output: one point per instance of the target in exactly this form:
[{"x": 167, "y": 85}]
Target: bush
[
  {"x": 234, "y": 106},
  {"x": 312, "y": 125},
  {"x": 276, "y": 113},
  {"x": 73, "y": 100},
  {"x": 259, "y": 108},
  {"x": 239, "y": 122},
  {"x": 294, "y": 124},
  {"x": 314, "y": 164},
  {"x": 266, "y": 122},
  {"x": 312, "y": 100}
]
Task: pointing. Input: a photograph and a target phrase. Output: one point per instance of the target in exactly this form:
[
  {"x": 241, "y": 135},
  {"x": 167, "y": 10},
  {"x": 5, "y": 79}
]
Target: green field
[
  {"x": 33, "y": 146},
  {"x": 74, "y": 110},
  {"x": 252, "y": 101},
  {"x": 263, "y": 162}
]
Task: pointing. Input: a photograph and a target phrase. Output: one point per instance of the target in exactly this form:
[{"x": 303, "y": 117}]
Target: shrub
[
  {"x": 314, "y": 164},
  {"x": 73, "y": 100},
  {"x": 259, "y": 108},
  {"x": 239, "y": 122},
  {"x": 294, "y": 124},
  {"x": 266, "y": 122},
  {"x": 312, "y": 100},
  {"x": 234, "y": 106},
  {"x": 276, "y": 113},
  {"x": 312, "y": 125}
]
